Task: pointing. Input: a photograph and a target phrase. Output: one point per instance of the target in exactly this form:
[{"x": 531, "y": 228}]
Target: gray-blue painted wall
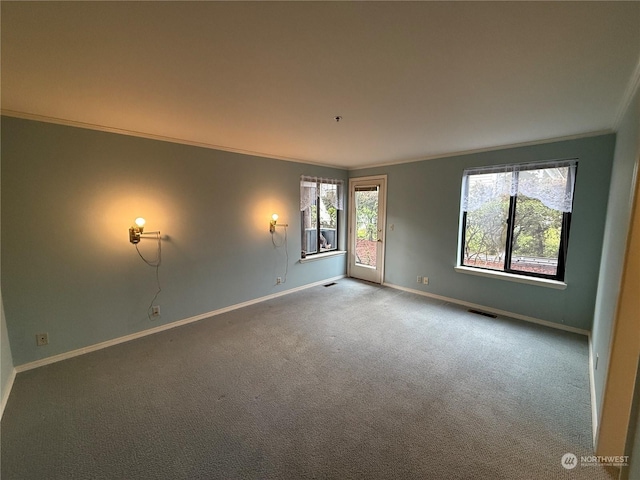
[
  {"x": 69, "y": 196},
  {"x": 6, "y": 359},
  {"x": 625, "y": 166},
  {"x": 424, "y": 203}
]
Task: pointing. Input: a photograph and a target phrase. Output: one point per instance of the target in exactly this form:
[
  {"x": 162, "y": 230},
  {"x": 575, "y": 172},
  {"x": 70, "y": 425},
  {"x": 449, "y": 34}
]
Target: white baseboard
[
  {"x": 7, "y": 391},
  {"x": 497, "y": 311},
  {"x": 99, "y": 346}
]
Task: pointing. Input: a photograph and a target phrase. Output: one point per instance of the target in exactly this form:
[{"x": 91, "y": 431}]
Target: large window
[
  {"x": 320, "y": 205},
  {"x": 515, "y": 218}
]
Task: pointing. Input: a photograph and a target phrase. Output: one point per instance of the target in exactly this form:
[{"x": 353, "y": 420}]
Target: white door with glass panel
[{"x": 367, "y": 213}]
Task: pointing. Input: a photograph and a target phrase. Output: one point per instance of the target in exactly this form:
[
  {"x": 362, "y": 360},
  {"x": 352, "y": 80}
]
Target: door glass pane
[
  {"x": 366, "y": 205},
  {"x": 485, "y": 235}
]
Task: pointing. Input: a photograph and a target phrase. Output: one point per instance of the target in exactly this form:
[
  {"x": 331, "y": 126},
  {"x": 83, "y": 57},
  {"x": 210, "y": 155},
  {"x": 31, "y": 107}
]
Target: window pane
[
  {"x": 309, "y": 236},
  {"x": 537, "y": 198},
  {"x": 328, "y": 217},
  {"x": 366, "y": 205},
  {"x": 536, "y": 237},
  {"x": 549, "y": 185},
  {"x": 485, "y": 235}
]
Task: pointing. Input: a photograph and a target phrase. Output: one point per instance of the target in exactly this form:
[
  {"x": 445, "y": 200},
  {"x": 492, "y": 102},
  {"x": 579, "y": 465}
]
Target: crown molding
[
  {"x": 632, "y": 88},
  {"x": 494, "y": 148},
  {"x": 151, "y": 136}
]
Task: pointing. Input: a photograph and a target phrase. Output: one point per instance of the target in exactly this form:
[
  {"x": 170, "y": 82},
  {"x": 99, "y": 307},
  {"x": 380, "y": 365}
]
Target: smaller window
[
  {"x": 320, "y": 206},
  {"x": 516, "y": 218}
]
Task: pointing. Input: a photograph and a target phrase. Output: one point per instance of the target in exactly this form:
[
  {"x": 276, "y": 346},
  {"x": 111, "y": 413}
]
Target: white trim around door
[{"x": 367, "y": 233}]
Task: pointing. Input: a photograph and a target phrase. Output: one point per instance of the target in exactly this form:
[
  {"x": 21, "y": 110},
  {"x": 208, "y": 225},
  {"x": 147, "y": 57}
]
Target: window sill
[
  {"x": 320, "y": 256},
  {"x": 510, "y": 277}
]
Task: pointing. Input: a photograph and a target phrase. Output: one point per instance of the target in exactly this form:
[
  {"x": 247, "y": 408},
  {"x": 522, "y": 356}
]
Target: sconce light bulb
[
  {"x": 274, "y": 217},
  {"x": 140, "y": 221}
]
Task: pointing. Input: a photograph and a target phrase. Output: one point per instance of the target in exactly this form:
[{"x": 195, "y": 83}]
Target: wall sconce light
[
  {"x": 135, "y": 233},
  {"x": 137, "y": 230},
  {"x": 274, "y": 223}
]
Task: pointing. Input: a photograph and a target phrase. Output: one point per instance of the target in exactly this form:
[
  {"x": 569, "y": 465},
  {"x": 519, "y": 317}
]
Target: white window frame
[{"x": 310, "y": 188}]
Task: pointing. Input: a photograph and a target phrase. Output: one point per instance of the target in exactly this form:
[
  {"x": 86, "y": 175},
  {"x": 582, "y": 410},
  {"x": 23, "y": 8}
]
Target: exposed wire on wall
[
  {"x": 286, "y": 251},
  {"x": 156, "y": 264}
]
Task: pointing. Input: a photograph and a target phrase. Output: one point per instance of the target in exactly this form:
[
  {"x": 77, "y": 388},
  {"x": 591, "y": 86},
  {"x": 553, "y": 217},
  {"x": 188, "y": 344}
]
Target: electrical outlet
[
  {"x": 155, "y": 311},
  {"x": 278, "y": 280},
  {"x": 419, "y": 279},
  {"x": 425, "y": 280},
  {"x": 42, "y": 339}
]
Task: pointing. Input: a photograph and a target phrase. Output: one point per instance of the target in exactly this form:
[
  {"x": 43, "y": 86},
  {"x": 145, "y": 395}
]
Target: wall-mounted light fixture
[
  {"x": 136, "y": 230},
  {"x": 274, "y": 223}
]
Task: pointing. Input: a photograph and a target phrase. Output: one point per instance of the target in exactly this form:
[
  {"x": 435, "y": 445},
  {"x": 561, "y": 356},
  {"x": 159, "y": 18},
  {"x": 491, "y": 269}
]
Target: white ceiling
[{"x": 411, "y": 80}]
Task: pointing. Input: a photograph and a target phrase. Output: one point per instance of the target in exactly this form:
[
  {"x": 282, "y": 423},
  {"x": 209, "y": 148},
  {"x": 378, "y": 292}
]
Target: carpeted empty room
[
  {"x": 353, "y": 380},
  {"x": 282, "y": 240}
]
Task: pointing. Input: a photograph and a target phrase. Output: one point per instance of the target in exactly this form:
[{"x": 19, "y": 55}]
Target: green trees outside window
[{"x": 516, "y": 218}]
